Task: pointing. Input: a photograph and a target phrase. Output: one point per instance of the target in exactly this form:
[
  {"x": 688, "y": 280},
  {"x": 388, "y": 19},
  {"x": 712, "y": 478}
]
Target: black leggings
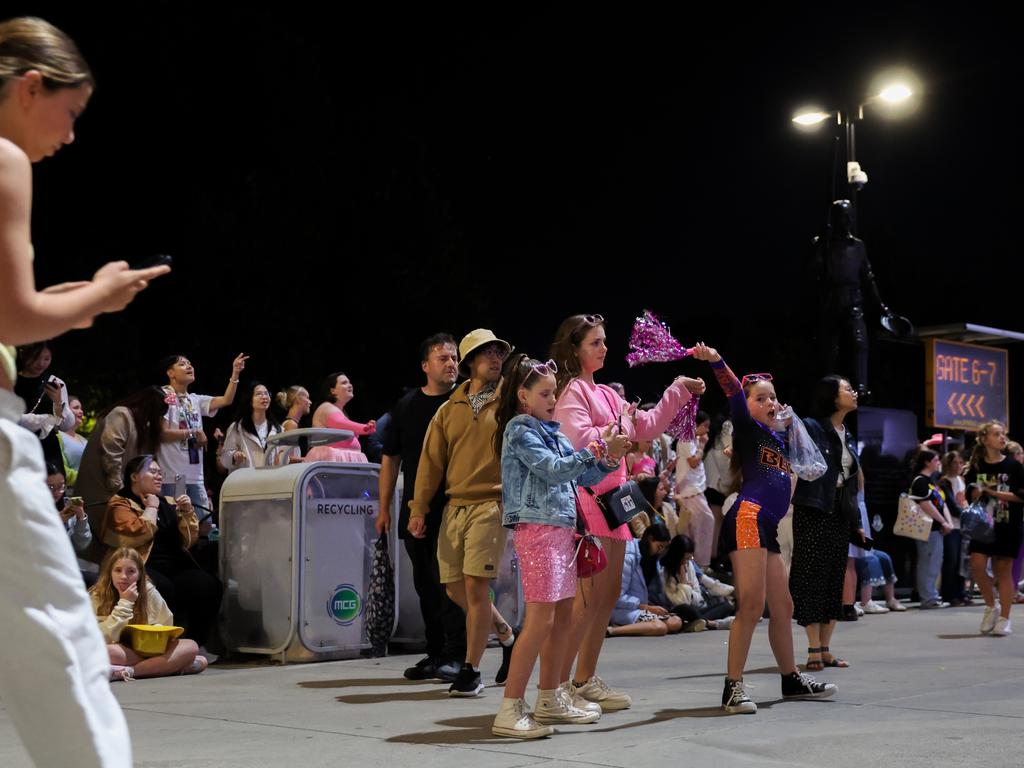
[
  {"x": 689, "y": 613},
  {"x": 193, "y": 595}
]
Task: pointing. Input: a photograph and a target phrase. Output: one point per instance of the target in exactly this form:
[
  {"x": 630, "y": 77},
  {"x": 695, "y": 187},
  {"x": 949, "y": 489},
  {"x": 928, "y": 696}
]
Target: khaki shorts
[{"x": 471, "y": 541}]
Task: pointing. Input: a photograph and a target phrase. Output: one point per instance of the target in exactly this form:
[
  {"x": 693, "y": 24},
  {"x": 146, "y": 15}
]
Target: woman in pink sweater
[
  {"x": 585, "y": 409},
  {"x": 337, "y": 393}
]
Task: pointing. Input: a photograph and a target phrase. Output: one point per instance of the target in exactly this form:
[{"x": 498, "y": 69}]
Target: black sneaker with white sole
[
  {"x": 467, "y": 684},
  {"x": 735, "y": 700},
  {"x": 424, "y": 669},
  {"x": 797, "y": 685}
]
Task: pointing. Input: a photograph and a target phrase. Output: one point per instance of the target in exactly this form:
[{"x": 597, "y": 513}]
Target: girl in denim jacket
[{"x": 539, "y": 471}]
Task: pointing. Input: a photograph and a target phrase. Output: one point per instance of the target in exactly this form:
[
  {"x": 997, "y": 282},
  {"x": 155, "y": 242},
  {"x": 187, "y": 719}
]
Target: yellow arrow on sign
[
  {"x": 981, "y": 413},
  {"x": 970, "y": 405},
  {"x": 949, "y": 403},
  {"x": 960, "y": 404}
]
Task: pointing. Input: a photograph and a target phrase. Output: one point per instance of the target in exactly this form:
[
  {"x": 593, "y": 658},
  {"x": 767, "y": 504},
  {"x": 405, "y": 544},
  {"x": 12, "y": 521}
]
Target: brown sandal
[{"x": 814, "y": 665}]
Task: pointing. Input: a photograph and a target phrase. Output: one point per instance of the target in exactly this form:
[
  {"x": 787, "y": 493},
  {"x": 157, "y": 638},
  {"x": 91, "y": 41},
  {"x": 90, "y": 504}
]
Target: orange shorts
[{"x": 748, "y": 526}]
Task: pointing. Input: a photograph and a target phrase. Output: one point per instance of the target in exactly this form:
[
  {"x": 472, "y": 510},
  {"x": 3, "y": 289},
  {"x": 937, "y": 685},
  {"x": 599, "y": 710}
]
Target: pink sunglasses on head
[{"x": 753, "y": 378}]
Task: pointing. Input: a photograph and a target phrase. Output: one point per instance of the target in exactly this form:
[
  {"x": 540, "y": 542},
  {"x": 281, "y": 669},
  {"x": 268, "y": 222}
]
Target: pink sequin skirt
[{"x": 545, "y": 562}]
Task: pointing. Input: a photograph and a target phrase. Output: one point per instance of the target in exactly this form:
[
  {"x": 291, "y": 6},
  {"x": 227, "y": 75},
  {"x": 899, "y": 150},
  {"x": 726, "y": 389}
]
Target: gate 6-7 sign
[{"x": 966, "y": 385}]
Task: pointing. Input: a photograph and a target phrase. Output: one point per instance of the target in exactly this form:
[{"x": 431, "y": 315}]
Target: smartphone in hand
[
  {"x": 179, "y": 486},
  {"x": 154, "y": 261}
]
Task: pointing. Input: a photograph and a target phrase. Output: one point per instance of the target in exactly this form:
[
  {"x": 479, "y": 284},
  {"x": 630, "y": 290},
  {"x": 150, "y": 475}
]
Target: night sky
[{"x": 334, "y": 187}]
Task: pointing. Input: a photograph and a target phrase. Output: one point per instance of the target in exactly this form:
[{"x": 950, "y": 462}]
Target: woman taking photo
[
  {"x": 825, "y": 514},
  {"x": 166, "y": 534},
  {"x": 585, "y": 410}
]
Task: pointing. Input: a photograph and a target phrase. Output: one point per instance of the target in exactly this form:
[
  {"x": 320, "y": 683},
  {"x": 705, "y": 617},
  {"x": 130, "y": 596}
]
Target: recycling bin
[{"x": 296, "y": 550}]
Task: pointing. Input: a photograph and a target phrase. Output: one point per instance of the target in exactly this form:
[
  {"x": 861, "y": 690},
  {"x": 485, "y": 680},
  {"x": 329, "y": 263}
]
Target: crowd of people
[
  {"x": 728, "y": 535},
  {"x": 532, "y": 446}
]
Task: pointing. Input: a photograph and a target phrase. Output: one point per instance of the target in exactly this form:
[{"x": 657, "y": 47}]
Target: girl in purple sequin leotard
[{"x": 749, "y": 534}]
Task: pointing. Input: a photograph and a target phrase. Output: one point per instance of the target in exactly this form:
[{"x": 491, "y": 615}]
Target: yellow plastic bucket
[{"x": 151, "y": 639}]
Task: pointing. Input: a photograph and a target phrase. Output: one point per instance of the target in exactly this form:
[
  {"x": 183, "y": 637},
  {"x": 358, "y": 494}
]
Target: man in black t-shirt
[{"x": 443, "y": 620}]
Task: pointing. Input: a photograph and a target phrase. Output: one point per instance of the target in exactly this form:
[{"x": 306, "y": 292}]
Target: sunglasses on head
[
  {"x": 753, "y": 378},
  {"x": 593, "y": 319},
  {"x": 550, "y": 368}
]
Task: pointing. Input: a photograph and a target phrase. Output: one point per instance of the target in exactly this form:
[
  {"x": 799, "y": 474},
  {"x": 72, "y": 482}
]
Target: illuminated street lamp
[{"x": 892, "y": 94}]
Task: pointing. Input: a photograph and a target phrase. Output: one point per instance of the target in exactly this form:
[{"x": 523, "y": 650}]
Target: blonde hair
[
  {"x": 286, "y": 397},
  {"x": 29, "y": 43},
  {"x": 978, "y": 451},
  {"x": 1013, "y": 447},
  {"x": 107, "y": 593}
]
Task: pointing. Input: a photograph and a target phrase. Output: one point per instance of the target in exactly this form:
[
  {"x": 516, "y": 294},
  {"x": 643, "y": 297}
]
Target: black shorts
[
  {"x": 748, "y": 526},
  {"x": 1007, "y": 541}
]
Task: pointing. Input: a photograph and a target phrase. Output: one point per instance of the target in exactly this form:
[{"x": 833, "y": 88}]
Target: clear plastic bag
[
  {"x": 977, "y": 520},
  {"x": 804, "y": 455}
]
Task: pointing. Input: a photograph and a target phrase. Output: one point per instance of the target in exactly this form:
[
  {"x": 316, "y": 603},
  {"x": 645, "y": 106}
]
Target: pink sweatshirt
[
  {"x": 584, "y": 410},
  {"x": 338, "y": 420}
]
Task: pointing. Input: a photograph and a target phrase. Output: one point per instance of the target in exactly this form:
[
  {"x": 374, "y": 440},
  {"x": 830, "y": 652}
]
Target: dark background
[{"x": 335, "y": 186}]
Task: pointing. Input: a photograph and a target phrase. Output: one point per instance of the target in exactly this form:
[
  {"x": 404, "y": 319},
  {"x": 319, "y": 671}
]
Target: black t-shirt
[
  {"x": 409, "y": 421},
  {"x": 923, "y": 489},
  {"x": 1005, "y": 475}
]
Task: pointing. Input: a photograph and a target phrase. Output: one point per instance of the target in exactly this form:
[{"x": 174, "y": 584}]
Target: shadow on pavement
[
  {"x": 470, "y": 730},
  {"x": 387, "y": 698},
  {"x": 971, "y": 636},
  {"x": 367, "y": 682}
]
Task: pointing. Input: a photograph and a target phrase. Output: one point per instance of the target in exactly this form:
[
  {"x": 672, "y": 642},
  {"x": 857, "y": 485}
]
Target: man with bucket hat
[{"x": 458, "y": 451}]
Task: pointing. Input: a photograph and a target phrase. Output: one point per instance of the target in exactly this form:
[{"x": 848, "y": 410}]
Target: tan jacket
[
  {"x": 459, "y": 450},
  {"x": 124, "y": 526}
]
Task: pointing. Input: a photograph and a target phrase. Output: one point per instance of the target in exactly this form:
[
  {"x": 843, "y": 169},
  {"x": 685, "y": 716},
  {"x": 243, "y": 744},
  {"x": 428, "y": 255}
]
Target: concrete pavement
[{"x": 924, "y": 689}]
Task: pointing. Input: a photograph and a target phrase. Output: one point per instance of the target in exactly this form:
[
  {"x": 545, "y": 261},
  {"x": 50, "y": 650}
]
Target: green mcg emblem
[{"x": 345, "y": 605}]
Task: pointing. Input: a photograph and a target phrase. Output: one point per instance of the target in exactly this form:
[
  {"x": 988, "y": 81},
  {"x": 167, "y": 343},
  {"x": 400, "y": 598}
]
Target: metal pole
[{"x": 851, "y": 156}]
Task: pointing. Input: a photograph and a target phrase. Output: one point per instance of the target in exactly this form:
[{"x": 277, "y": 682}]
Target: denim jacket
[{"x": 539, "y": 472}]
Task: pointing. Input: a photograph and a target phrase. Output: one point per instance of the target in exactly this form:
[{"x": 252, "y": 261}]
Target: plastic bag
[{"x": 804, "y": 455}]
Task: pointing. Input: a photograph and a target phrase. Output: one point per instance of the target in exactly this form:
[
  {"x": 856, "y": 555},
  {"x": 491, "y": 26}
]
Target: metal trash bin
[{"x": 296, "y": 548}]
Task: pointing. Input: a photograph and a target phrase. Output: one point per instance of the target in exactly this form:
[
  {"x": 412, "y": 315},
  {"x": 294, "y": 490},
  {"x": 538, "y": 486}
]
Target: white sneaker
[
  {"x": 895, "y": 605},
  {"x": 1002, "y": 627},
  {"x": 724, "y": 623},
  {"x": 555, "y": 706},
  {"x": 858, "y": 610},
  {"x": 988, "y": 619},
  {"x": 872, "y": 607},
  {"x": 578, "y": 701},
  {"x": 717, "y": 588},
  {"x": 513, "y": 720},
  {"x": 597, "y": 691}
]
